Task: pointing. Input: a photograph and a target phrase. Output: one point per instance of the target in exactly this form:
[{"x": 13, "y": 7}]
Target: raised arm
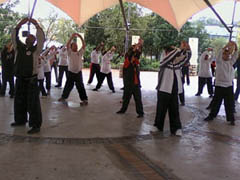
[
  {"x": 69, "y": 42},
  {"x": 40, "y": 35},
  {"x": 15, "y": 32},
  {"x": 83, "y": 42}
]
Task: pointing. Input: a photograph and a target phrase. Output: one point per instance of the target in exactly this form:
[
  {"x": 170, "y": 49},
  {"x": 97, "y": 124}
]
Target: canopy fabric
[{"x": 176, "y": 12}]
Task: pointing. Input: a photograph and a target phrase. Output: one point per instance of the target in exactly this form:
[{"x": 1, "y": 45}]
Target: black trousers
[
  {"x": 62, "y": 69},
  {"x": 236, "y": 94},
  {"x": 10, "y": 80},
  {"x": 48, "y": 80},
  {"x": 185, "y": 73},
  {"x": 54, "y": 66},
  {"x": 41, "y": 87},
  {"x": 109, "y": 80},
  {"x": 94, "y": 69},
  {"x": 134, "y": 90},
  {"x": 168, "y": 102},
  {"x": 226, "y": 94},
  {"x": 75, "y": 78},
  {"x": 182, "y": 96},
  {"x": 27, "y": 102},
  {"x": 201, "y": 83}
]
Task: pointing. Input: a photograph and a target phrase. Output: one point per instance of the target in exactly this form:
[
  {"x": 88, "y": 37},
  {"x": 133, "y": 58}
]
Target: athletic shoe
[
  {"x": 179, "y": 133},
  {"x": 33, "y": 130}
]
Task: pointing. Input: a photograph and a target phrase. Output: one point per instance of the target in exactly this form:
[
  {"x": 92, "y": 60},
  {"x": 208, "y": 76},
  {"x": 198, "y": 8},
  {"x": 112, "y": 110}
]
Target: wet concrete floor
[{"x": 93, "y": 142}]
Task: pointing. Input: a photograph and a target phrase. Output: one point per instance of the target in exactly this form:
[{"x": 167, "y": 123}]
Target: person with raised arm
[
  {"x": 170, "y": 86},
  {"x": 7, "y": 59},
  {"x": 27, "y": 107},
  {"x": 131, "y": 79},
  {"x": 106, "y": 70},
  {"x": 75, "y": 59},
  {"x": 224, "y": 83}
]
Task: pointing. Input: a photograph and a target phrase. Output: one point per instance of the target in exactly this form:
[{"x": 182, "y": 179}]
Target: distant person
[
  {"x": 204, "y": 73},
  {"x": 41, "y": 87},
  {"x": 185, "y": 72},
  {"x": 7, "y": 59},
  {"x": 48, "y": 55},
  {"x": 131, "y": 79},
  {"x": 224, "y": 83},
  {"x": 27, "y": 107},
  {"x": 75, "y": 59},
  {"x": 169, "y": 86},
  {"x": 95, "y": 60},
  {"x": 63, "y": 65},
  {"x": 54, "y": 62},
  {"x": 106, "y": 70},
  {"x": 237, "y": 66}
]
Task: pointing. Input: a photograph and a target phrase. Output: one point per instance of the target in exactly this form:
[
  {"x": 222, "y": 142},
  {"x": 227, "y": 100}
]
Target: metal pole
[
  {"x": 215, "y": 12},
  {"x": 233, "y": 16},
  {"x": 126, "y": 25},
  {"x": 123, "y": 13},
  {"x": 34, "y": 5},
  {"x": 127, "y": 31}
]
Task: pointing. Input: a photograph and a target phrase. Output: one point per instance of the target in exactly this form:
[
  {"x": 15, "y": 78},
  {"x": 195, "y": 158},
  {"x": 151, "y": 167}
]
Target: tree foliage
[{"x": 8, "y": 20}]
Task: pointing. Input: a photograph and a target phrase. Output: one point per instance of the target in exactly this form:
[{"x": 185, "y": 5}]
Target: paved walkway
[{"x": 93, "y": 142}]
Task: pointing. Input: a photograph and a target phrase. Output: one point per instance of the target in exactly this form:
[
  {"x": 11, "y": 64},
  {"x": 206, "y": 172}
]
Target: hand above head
[{"x": 23, "y": 21}]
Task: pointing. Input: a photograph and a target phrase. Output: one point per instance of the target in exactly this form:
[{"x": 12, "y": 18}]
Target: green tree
[{"x": 8, "y": 20}]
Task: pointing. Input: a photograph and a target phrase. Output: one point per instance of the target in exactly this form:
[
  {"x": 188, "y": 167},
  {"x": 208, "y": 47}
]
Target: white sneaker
[{"x": 179, "y": 132}]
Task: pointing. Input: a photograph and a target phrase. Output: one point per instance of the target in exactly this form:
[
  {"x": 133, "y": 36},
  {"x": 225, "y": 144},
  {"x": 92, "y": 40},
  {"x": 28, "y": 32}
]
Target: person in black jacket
[
  {"x": 27, "y": 105},
  {"x": 131, "y": 79},
  {"x": 8, "y": 55}
]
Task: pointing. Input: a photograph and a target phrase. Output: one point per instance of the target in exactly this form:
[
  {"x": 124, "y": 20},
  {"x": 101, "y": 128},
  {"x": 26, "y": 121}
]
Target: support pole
[
  {"x": 233, "y": 16},
  {"x": 31, "y": 15},
  {"x": 126, "y": 25},
  {"x": 218, "y": 16}
]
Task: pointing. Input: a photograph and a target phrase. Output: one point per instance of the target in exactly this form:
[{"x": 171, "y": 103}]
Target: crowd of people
[{"x": 32, "y": 66}]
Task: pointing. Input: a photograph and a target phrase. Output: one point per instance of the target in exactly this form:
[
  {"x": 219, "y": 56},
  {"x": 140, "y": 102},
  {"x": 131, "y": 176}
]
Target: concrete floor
[{"x": 93, "y": 142}]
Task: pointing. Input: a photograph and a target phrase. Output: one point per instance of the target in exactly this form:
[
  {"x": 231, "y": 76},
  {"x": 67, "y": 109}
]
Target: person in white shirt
[
  {"x": 106, "y": 70},
  {"x": 75, "y": 59},
  {"x": 224, "y": 83},
  {"x": 41, "y": 76},
  {"x": 48, "y": 55},
  {"x": 204, "y": 74},
  {"x": 63, "y": 65},
  {"x": 169, "y": 87},
  {"x": 95, "y": 60}
]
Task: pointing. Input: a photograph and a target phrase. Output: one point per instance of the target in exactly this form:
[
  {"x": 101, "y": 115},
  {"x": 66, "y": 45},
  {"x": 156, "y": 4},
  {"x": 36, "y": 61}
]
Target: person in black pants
[
  {"x": 237, "y": 91},
  {"x": 95, "y": 60},
  {"x": 75, "y": 70},
  {"x": 169, "y": 86},
  {"x": 106, "y": 70},
  {"x": 7, "y": 59},
  {"x": 63, "y": 65},
  {"x": 131, "y": 79},
  {"x": 184, "y": 71},
  {"x": 224, "y": 83},
  {"x": 204, "y": 74},
  {"x": 27, "y": 105}
]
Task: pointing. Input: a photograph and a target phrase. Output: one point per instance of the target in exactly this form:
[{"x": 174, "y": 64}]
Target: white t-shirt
[
  {"x": 75, "y": 60},
  {"x": 47, "y": 66},
  {"x": 205, "y": 65},
  {"x": 63, "y": 58},
  {"x": 41, "y": 70},
  {"x": 106, "y": 64},
  {"x": 225, "y": 70},
  {"x": 95, "y": 57}
]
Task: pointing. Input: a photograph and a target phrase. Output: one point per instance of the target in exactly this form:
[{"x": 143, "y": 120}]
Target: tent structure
[{"x": 176, "y": 12}]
